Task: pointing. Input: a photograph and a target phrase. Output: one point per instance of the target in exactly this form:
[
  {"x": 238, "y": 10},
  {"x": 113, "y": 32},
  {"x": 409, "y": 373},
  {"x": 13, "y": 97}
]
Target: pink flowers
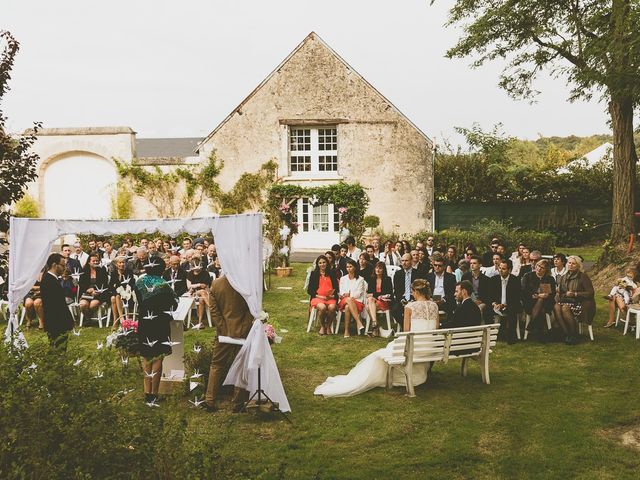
[
  {"x": 284, "y": 208},
  {"x": 129, "y": 324},
  {"x": 270, "y": 332},
  {"x": 342, "y": 210}
]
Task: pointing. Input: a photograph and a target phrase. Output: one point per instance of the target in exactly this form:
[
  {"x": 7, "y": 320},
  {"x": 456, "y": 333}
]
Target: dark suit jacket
[
  {"x": 386, "y": 287},
  {"x": 314, "y": 281},
  {"x": 398, "y": 283},
  {"x": 178, "y": 287},
  {"x": 101, "y": 281},
  {"x": 423, "y": 269},
  {"x": 57, "y": 317},
  {"x": 514, "y": 293},
  {"x": 449, "y": 289},
  {"x": 229, "y": 310},
  {"x": 467, "y": 314},
  {"x": 73, "y": 265},
  {"x": 115, "y": 281},
  {"x": 484, "y": 287}
]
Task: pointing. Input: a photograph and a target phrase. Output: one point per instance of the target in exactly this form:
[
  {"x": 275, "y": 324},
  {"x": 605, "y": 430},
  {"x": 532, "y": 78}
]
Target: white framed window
[
  {"x": 313, "y": 151},
  {"x": 318, "y": 218}
]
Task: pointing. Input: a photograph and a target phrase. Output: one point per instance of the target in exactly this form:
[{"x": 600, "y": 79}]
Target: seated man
[
  {"x": 402, "y": 281},
  {"x": 480, "y": 284},
  {"x": 175, "y": 276},
  {"x": 415, "y": 263},
  {"x": 199, "y": 281},
  {"x": 79, "y": 255},
  {"x": 443, "y": 285},
  {"x": 467, "y": 313},
  {"x": 506, "y": 297},
  {"x": 141, "y": 258}
]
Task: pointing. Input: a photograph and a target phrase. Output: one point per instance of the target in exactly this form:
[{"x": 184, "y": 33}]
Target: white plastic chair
[
  {"x": 527, "y": 320},
  {"x": 632, "y": 311},
  {"x": 590, "y": 328},
  {"x": 100, "y": 315}
]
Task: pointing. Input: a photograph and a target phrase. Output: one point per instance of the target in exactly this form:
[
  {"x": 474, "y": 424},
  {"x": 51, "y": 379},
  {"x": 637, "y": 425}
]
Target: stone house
[{"x": 314, "y": 114}]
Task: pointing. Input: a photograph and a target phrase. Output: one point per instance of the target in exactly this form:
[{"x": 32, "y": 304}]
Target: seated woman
[
  {"x": 379, "y": 293},
  {"x": 352, "y": 295},
  {"x": 575, "y": 300},
  {"x": 121, "y": 283},
  {"x": 33, "y": 305},
  {"x": 199, "y": 281},
  {"x": 621, "y": 294},
  {"x": 94, "y": 285},
  {"x": 323, "y": 290},
  {"x": 365, "y": 268},
  {"x": 559, "y": 266},
  {"x": 451, "y": 260},
  {"x": 371, "y": 371},
  {"x": 538, "y": 295}
]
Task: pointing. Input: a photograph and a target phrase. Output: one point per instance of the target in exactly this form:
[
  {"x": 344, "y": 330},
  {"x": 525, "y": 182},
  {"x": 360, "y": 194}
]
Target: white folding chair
[
  {"x": 385, "y": 313},
  {"x": 100, "y": 315},
  {"x": 527, "y": 320},
  {"x": 632, "y": 311},
  {"x": 590, "y": 328}
]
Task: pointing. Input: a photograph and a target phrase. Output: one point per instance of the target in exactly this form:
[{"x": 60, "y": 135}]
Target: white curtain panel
[
  {"x": 256, "y": 354},
  {"x": 238, "y": 242}
]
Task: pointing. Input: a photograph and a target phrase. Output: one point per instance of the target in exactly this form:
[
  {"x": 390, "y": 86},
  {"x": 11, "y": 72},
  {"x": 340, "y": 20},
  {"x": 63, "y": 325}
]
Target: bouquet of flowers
[{"x": 126, "y": 337}]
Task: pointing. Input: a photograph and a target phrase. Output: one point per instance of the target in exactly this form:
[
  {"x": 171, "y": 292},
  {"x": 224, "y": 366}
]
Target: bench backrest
[{"x": 442, "y": 344}]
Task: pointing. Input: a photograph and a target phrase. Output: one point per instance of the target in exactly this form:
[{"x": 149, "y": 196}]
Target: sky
[{"x": 177, "y": 69}]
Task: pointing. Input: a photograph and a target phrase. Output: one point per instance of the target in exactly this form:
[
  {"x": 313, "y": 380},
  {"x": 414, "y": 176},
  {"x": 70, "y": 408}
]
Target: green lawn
[
  {"x": 590, "y": 253},
  {"x": 545, "y": 414}
]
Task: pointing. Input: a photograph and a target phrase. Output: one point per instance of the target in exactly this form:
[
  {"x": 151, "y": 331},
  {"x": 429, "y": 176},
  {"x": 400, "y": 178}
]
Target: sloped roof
[
  {"x": 166, "y": 147},
  {"x": 603, "y": 152},
  {"x": 308, "y": 38}
]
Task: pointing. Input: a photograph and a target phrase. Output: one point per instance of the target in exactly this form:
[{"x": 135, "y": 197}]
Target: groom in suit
[
  {"x": 402, "y": 281},
  {"x": 232, "y": 318},
  {"x": 57, "y": 317},
  {"x": 467, "y": 313}
]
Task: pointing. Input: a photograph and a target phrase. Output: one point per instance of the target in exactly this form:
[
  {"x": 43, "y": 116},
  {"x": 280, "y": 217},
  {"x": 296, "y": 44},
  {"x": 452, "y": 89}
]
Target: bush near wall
[{"x": 481, "y": 233}]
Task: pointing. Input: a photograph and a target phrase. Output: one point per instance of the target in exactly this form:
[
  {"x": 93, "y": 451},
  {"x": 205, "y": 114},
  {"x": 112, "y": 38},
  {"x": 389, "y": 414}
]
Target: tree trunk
[{"x": 624, "y": 169}]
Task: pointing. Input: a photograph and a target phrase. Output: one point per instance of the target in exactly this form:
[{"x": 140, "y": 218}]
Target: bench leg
[
  {"x": 463, "y": 367},
  {"x": 483, "y": 360},
  {"x": 408, "y": 375},
  {"x": 389, "y": 377}
]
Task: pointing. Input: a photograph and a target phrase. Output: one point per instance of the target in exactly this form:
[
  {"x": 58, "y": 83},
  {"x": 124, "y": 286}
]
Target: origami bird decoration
[
  {"x": 149, "y": 343},
  {"x": 99, "y": 374},
  {"x": 77, "y": 362},
  {"x": 196, "y": 374},
  {"x": 150, "y": 375},
  {"x": 170, "y": 343},
  {"x": 99, "y": 345},
  {"x": 193, "y": 386},
  {"x": 197, "y": 348},
  {"x": 150, "y": 316},
  {"x": 197, "y": 402},
  {"x": 76, "y": 332},
  {"x": 152, "y": 403}
]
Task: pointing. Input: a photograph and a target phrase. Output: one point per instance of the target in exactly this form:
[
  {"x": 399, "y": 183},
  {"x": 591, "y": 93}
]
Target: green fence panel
[{"x": 527, "y": 216}]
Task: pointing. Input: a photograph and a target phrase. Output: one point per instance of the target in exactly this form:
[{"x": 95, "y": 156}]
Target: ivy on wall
[
  {"x": 179, "y": 192},
  {"x": 351, "y": 201}
]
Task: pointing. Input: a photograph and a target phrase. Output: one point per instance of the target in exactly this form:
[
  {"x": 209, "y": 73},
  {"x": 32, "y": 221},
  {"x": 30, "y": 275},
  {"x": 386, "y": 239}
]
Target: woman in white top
[
  {"x": 371, "y": 371},
  {"x": 559, "y": 266},
  {"x": 390, "y": 256},
  {"x": 353, "y": 290}
]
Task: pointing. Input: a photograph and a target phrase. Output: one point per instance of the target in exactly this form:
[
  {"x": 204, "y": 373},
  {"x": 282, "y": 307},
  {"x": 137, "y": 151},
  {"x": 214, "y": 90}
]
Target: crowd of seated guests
[
  {"x": 102, "y": 275},
  {"x": 501, "y": 287}
]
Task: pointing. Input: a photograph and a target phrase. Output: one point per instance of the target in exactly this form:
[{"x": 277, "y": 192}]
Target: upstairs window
[{"x": 313, "y": 151}]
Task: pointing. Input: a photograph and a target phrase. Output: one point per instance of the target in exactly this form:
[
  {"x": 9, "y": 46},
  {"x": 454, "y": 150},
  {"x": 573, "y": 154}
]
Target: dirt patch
[
  {"x": 627, "y": 435},
  {"x": 604, "y": 277}
]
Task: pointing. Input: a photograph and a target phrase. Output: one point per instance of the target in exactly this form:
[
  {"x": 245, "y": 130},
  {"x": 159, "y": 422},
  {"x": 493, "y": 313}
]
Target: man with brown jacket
[{"x": 231, "y": 316}]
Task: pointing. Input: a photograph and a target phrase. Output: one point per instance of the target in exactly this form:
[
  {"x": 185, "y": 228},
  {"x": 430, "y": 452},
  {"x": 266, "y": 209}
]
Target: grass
[
  {"x": 590, "y": 253},
  {"x": 545, "y": 414}
]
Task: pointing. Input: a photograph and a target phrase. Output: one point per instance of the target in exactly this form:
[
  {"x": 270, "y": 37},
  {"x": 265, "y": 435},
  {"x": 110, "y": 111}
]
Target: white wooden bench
[{"x": 441, "y": 345}]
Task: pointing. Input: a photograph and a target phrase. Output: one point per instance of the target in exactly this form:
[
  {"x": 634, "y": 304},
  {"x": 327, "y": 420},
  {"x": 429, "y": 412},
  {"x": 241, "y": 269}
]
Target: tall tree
[
  {"x": 593, "y": 44},
  {"x": 17, "y": 162}
]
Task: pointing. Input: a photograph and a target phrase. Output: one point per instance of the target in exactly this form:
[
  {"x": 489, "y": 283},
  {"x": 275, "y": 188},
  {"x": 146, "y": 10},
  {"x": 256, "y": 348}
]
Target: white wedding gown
[{"x": 371, "y": 371}]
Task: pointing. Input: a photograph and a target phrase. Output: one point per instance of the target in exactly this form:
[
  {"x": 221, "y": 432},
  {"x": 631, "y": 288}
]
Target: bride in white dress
[{"x": 371, "y": 371}]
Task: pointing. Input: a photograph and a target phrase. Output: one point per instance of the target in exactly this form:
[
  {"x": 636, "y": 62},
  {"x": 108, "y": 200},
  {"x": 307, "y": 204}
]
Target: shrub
[
  {"x": 60, "y": 421},
  {"x": 26, "y": 207},
  {"x": 371, "y": 221}
]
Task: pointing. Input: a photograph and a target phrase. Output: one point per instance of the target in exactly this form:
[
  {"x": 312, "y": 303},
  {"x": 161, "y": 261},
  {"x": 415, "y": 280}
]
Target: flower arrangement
[
  {"x": 126, "y": 337},
  {"x": 269, "y": 329}
]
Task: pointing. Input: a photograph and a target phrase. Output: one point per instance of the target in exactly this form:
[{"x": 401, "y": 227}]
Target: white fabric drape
[
  {"x": 238, "y": 242},
  {"x": 256, "y": 353}
]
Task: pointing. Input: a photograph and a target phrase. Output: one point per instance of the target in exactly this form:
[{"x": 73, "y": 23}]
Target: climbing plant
[{"x": 351, "y": 201}]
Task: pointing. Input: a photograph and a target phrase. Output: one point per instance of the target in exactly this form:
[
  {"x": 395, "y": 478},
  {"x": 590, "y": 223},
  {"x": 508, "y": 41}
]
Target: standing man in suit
[
  {"x": 443, "y": 285},
  {"x": 57, "y": 317},
  {"x": 467, "y": 313},
  {"x": 402, "y": 281},
  {"x": 506, "y": 297},
  {"x": 480, "y": 283},
  {"x": 231, "y": 316}
]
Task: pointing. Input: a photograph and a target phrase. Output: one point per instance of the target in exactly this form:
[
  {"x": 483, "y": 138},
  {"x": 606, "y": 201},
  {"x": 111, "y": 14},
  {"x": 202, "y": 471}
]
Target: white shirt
[
  {"x": 438, "y": 288},
  {"x": 82, "y": 257},
  {"x": 354, "y": 254},
  {"x": 555, "y": 273},
  {"x": 491, "y": 271},
  {"x": 356, "y": 287},
  {"x": 503, "y": 298}
]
